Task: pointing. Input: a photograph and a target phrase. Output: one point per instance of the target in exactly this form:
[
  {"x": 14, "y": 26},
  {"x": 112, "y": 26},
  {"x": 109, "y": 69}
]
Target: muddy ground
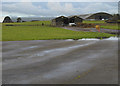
[{"x": 60, "y": 62}]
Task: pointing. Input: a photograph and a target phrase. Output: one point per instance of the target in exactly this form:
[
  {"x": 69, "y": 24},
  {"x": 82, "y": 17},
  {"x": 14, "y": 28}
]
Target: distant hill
[{"x": 14, "y": 19}]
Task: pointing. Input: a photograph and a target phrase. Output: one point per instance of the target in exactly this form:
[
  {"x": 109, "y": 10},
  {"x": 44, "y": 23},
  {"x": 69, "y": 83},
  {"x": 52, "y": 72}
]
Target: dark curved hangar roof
[
  {"x": 7, "y": 19},
  {"x": 100, "y": 16},
  {"x": 97, "y": 16}
]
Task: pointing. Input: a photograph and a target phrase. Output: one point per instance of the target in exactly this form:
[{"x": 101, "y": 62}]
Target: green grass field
[
  {"x": 85, "y": 21},
  {"x": 15, "y": 33},
  {"x": 113, "y": 27}
]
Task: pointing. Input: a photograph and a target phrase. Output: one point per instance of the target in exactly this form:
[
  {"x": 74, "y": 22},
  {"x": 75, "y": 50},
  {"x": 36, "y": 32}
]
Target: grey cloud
[{"x": 55, "y": 9}]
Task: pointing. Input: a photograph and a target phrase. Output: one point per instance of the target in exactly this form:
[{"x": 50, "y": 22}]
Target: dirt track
[{"x": 60, "y": 62}]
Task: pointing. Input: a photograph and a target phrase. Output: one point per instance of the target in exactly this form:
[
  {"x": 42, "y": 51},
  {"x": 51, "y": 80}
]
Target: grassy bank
[{"x": 15, "y": 33}]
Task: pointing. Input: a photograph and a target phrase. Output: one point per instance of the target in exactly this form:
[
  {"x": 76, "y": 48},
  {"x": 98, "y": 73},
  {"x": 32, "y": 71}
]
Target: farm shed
[
  {"x": 75, "y": 19},
  {"x": 7, "y": 19},
  {"x": 99, "y": 16},
  {"x": 60, "y": 21}
]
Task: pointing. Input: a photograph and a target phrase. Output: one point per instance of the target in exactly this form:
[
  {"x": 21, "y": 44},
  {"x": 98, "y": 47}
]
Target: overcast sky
[{"x": 37, "y": 9}]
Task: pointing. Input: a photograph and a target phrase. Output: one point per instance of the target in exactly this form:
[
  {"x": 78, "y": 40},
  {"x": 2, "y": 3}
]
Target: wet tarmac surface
[
  {"x": 60, "y": 62},
  {"x": 102, "y": 30}
]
